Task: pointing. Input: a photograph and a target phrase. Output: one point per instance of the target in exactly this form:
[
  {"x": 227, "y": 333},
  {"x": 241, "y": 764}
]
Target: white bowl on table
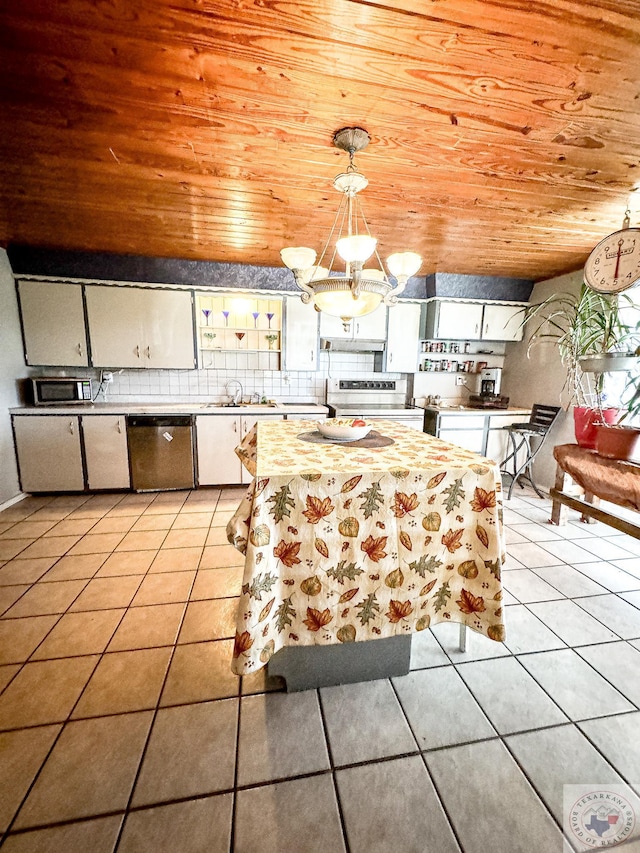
[{"x": 342, "y": 429}]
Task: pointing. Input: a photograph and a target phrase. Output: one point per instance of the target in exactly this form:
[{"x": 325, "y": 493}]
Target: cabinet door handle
[
  {"x": 390, "y": 357},
  {"x": 137, "y": 352},
  {"x": 119, "y": 426},
  {"x": 148, "y": 352},
  {"x": 71, "y": 427},
  {"x": 235, "y": 426},
  {"x": 311, "y": 357},
  {"x": 79, "y": 348},
  {"x": 475, "y": 328},
  {"x": 486, "y": 329}
]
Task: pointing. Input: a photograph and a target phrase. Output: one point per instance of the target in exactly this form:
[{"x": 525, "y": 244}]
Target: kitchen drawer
[{"x": 465, "y": 422}]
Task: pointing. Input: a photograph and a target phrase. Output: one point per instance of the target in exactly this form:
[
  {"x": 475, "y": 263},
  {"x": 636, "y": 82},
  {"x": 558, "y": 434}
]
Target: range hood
[{"x": 351, "y": 345}]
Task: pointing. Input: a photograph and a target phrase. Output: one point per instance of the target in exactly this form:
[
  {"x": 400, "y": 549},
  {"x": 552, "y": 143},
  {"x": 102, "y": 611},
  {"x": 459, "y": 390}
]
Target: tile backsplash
[{"x": 147, "y": 385}]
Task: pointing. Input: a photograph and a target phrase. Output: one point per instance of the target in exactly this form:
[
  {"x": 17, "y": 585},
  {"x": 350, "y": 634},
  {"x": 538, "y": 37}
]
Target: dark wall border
[
  {"x": 103, "y": 266},
  {"x": 455, "y": 286}
]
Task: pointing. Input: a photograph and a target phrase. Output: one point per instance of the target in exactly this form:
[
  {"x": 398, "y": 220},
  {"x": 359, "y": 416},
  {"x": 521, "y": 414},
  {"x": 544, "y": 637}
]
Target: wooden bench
[{"x": 600, "y": 479}]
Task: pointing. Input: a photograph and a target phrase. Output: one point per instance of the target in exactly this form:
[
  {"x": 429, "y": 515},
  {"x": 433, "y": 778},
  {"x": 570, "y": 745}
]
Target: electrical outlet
[
  {"x": 460, "y": 380},
  {"x": 107, "y": 376}
]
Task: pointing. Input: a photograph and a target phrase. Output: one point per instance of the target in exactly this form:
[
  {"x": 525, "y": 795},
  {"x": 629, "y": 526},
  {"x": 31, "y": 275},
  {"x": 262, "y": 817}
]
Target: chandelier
[{"x": 356, "y": 291}]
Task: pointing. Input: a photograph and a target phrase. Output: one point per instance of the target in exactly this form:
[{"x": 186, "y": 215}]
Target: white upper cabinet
[
  {"x": 502, "y": 323},
  {"x": 140, "y": 327},
  {"x": 473, "y": 321},
  {"x": 301, "y": 335},
  {"x": 53, "y": 323},
  {"x": 402, "y": 338},
  {"x": 333, "y": 327},
  {"x": 370, "y": 327},
  {"x": 454, "y": 320}
]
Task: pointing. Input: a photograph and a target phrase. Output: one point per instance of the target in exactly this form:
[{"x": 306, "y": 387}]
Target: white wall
[
  {"x": 12, "y": 367},
  {"x": 539, "y": 379}
]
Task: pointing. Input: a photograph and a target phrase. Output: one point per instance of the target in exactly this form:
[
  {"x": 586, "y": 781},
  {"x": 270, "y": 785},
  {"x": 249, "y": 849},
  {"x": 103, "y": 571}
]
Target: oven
[{"x": 373, "y": 398}]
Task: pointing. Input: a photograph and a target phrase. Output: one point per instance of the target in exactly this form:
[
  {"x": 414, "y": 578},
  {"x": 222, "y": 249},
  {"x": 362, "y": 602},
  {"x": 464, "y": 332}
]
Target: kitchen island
[{"x": 345, "y": 543}]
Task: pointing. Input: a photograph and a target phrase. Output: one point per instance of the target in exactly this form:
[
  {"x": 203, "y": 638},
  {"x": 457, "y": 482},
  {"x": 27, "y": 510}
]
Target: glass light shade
[
  {"x": 298, "y": 257},
  {"x": 376, "y": 275},
  {"x": 404, "y": 264},
  {"x": 356, "y": 248},
  {"x": 319, "y": 273},
  {"x": 340, "y": 303},
  {"x": 313, "y": 274}
]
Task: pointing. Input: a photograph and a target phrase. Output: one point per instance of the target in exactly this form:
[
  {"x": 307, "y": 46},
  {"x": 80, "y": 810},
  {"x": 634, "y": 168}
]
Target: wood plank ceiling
[{"x": 505, "y": 133}]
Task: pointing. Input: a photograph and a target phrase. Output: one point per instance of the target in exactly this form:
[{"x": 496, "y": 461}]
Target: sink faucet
[{"x": 237, "y": 395}]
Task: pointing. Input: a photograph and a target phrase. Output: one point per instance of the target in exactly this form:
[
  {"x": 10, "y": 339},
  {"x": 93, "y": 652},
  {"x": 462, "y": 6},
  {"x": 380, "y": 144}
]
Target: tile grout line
[
  {"x": 424, "y": 763},
  {"x": 332, "y": 766}
]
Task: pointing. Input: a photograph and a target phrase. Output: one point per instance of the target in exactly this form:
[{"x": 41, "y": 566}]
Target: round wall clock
[{"x": 614, "y": 264}]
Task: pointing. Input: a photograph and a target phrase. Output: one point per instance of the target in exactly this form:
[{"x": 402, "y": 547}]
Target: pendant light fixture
[{"x": 357, "y": 290}]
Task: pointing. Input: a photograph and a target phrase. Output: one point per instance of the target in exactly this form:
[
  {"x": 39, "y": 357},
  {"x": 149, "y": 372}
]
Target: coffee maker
[
  {"x": 490, "y": 381},
  {"x": 489, "y": 396}
]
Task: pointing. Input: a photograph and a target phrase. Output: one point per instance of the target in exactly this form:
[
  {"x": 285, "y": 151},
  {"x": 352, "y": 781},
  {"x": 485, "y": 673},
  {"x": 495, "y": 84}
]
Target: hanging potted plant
[
  {"x": 622, "y": 441},
  {"x": 592, "y": 341}
]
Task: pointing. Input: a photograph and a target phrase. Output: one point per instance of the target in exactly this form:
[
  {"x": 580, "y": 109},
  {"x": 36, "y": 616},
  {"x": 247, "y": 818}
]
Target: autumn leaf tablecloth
[{"x": 345, "y": 544}]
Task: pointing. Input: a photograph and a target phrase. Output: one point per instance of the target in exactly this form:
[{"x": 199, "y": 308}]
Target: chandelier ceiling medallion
[{"x": 356, "y": 291}]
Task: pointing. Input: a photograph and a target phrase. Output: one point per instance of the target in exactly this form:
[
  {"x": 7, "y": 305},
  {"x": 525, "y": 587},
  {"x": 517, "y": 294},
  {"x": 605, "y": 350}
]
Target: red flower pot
[
  {"x": 585, "y": 421},
  {"x": 618, "y": 442}
]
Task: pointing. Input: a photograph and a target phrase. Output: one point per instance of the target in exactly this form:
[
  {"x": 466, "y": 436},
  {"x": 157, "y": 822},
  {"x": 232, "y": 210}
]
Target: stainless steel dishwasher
[{"x": 160, "y": 452}]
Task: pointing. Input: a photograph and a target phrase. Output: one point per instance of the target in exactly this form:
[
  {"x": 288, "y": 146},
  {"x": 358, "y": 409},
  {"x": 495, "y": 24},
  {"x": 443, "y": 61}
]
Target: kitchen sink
[{"x": 241, "y": 406}]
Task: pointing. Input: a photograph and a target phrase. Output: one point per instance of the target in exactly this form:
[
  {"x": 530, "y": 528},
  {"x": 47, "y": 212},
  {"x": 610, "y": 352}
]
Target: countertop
[
  {"x": 170, "y": 408},
  {"x": 469, "y": 410}
]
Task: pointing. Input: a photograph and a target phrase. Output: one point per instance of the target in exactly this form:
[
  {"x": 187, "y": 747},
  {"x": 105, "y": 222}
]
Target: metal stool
[{"x": 521, "y": 435}]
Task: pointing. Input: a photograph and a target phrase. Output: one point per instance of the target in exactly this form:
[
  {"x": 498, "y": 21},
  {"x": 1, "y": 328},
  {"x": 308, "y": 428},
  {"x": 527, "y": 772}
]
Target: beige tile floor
[{"x": 123, "y": 728}]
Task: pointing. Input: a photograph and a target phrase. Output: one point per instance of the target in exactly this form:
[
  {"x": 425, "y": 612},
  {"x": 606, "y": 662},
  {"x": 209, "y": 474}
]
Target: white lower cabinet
[
  {"x": 470, "y": 439},
  {"x": 481, "y": 433},
  {"x": 217, "y": 437},
  {"x": 105, "y": 450},
  {"x": 467, "y": 431},
  {"x": 49, "y": 453}
]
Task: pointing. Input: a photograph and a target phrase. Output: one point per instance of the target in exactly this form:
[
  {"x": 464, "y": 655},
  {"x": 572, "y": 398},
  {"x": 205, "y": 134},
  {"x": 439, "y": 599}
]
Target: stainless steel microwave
[{"x": 60, "y": 391}]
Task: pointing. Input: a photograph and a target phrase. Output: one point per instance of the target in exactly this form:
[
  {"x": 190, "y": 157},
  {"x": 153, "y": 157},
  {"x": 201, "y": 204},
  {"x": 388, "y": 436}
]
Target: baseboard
[{"x": 19, "y": 497}]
